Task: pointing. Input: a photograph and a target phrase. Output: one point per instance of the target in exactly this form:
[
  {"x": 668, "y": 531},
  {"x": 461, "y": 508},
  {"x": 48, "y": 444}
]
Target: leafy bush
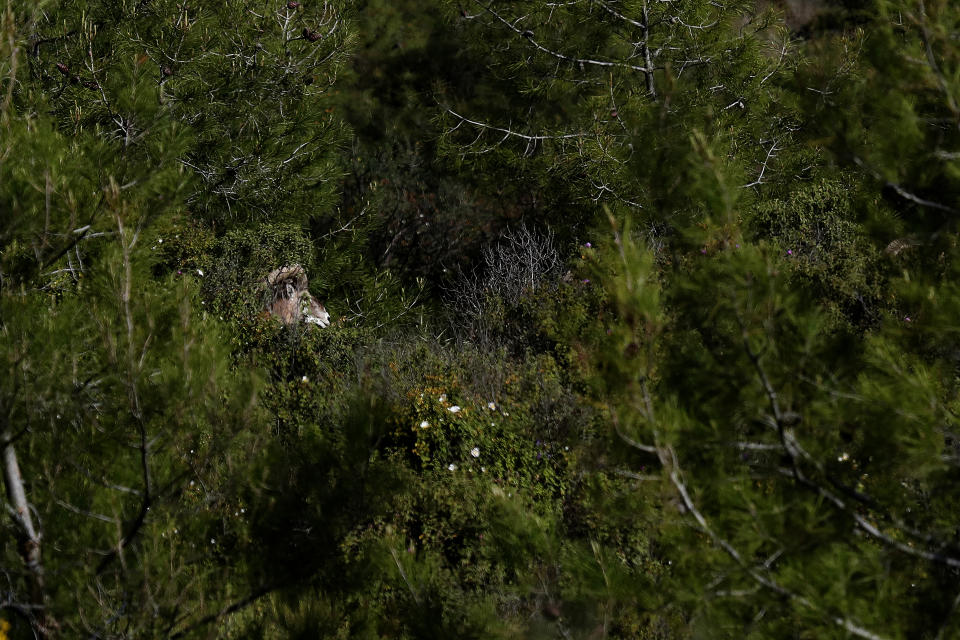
[{"x": 832, "y": 257}]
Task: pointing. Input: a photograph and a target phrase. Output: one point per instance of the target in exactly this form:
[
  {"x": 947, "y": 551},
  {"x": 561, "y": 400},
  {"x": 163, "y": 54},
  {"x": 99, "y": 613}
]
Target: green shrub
[{"x": 816, "y": 229}]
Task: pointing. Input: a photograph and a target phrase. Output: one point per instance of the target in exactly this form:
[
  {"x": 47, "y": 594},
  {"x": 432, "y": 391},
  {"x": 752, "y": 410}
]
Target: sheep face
[{"x": 290, "y": 301}]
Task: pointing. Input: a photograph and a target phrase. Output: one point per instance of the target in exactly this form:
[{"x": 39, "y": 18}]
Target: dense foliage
[{"x": 643, "y": 319}]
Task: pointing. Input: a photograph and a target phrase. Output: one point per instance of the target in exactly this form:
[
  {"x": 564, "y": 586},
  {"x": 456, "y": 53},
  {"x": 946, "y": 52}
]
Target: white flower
[
  {"x": 442, "y": 398},
  {"x": 160, "y": 240},
  {"x": 304, "y": 379},
  {"x": 843, "y": 457},
  {"x": 506, "y": 414},
  {"x": 491, "y": 406},
  {"x": 212, "y": 541},
  {"x": 452, "y": 467},
  {"x": 483, "y": 469},
  {"x": 475, "y": 452},
  {"x": 454, "y": 409},
  {"x": 424, "y": 424}
]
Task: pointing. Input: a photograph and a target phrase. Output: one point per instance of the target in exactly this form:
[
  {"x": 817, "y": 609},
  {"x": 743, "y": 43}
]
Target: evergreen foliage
[{"x": 643, "y": 319}]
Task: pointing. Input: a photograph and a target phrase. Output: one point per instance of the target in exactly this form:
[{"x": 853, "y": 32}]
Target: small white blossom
[
  {"x": 160, "y": 240},
  {"x": 200, "y": 272},
  {"x": 442, "y": 398},
  {"x": 212, "y": 541},
  {"x": 843, "y": 457},
  {"x": 483, "y": 469},
  {"x": 454, "y": 409},
  {"x": 475, "y": 452},
  {"x": 492, "y": 406},
  {"x": 452, "y": 467},
  {"x": 304, "y": 379},
  {"x": 424, "y": 424}
]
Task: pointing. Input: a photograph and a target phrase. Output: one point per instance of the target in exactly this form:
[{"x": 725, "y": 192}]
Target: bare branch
[
  {"x": 529, "y": 37},
  {"x": 510, "y": 132},
  {"x": 28, "y": 534}
]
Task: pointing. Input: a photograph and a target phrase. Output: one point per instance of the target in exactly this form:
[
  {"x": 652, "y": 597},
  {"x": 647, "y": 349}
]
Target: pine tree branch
[
  {"x": 902, "y": 192},
  {"x": 529, "y": 37},
  {"x": 669, "y": 458},
  {"x": 255, "y": 595},
  {"x": 29, "y": 535},
  {"x": 670, "y": 463},
  {"x": 925, "y": 37},
  {"x": 797, "y": 453},
  {"x": 509, "y": 132},
  {"x": 645, "y": 50},
  {"x": 133, "y": 365}
]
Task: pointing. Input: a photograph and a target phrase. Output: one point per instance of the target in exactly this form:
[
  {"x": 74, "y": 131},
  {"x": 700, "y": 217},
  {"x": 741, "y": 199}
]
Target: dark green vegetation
[{"x": 646, "y": 319}]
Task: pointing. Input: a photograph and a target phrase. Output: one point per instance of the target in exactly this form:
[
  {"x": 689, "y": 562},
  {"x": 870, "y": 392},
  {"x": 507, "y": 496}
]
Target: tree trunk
[{"x": 28, "y": 537}]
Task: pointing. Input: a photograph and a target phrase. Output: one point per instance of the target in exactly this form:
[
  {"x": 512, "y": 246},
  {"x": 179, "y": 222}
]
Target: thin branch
[
  {"x": 672, "y": 466},
  {"x": 528, "y": 36},
  {"x": 903, "y": 193},
  {"x": 233, "y": 608},
  {"x": 511, "y": 133},
  {"x": 796, "y": 452},
  {"x": 29, "y": 536},
  {"x": 932, "y": 59}
]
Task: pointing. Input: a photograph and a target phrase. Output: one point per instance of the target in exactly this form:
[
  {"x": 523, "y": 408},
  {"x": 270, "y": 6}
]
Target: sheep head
[{"x": 290, "y": 301}]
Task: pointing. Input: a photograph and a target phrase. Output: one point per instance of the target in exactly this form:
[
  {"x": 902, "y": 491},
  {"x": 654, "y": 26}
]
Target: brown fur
[{"x": 290, "y": 301}]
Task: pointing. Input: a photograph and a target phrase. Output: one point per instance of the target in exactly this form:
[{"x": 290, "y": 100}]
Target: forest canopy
[{"x": 628, "y": 319}]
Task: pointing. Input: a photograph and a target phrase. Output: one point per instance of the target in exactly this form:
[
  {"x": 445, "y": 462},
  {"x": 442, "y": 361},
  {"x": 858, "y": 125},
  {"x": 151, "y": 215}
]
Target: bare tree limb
[
  {"x": 529, "y": 37},
  {"x": 29, "y": 535}
]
